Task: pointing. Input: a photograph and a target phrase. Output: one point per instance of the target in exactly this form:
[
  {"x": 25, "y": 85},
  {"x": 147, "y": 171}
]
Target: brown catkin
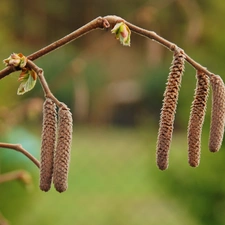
[
  {"x": 196, "y": 120},
  {"x": 63, "y": 148},
  {"x": 168, "y": 109},
  {"x": 48, "y": 142},
  {"x": 217, "y": 113}
]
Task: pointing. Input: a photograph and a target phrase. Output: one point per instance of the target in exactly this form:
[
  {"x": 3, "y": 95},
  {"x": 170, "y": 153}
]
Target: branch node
[
  {"x": 105, "y": 23},
  {"x": 173, "y": 47}
]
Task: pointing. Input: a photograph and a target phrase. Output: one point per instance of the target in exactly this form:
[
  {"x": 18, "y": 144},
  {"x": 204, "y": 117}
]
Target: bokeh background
[{"x": 115, "y": 94}]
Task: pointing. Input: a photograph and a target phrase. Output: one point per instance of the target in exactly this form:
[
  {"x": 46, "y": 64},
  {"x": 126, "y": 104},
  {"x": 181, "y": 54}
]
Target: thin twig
[
  {"x": 44, "y": 83},
  {"x": 19, "y": 148},
  {"x": 104, "y": 23},
  {"x": 3, "y": 220},
  {"x": 97, "y": 23},
  {"x": 155, "y": 37},
  {"x": 14, "y": 175},
  {"x": 171, "y": 46}
]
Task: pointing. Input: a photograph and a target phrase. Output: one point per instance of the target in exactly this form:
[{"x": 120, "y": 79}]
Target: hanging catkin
[
  {"x": 196, "y": 119},
  {"x": 48, "y": 144},
  {"x": 168, "y": 109},
  {"x": 217, "y": 113},
  {"x": 63, "y": 148}
]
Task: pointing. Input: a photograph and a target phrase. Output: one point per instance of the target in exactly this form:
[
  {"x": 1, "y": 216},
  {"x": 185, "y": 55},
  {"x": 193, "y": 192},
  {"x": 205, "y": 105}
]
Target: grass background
[{"x": 113, "y": 179}]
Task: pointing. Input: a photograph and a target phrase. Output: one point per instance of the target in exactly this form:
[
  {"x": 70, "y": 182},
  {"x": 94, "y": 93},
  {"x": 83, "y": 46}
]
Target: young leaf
[{"x": 28, "y": 80}]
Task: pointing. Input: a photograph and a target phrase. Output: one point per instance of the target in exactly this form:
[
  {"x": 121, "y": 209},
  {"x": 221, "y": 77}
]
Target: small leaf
[
  {"x": 28, "y": 80},
  {"x": 122, "y": 32}
]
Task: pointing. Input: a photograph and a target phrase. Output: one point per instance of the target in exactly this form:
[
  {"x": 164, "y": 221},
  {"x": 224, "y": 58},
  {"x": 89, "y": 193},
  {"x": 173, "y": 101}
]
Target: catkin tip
[
  {"x": 163, "y": 163},
  {"x": 194, "y": 164},
  {"x": 63, "y": 149}
]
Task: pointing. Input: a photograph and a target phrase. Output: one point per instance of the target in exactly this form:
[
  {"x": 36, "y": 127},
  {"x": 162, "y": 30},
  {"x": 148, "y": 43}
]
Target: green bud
[{"x": 122, "y": 32}]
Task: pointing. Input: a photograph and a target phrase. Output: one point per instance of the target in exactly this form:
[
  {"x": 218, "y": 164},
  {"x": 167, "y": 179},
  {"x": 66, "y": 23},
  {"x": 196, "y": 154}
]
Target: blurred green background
[{"x": 115, "y": 94}]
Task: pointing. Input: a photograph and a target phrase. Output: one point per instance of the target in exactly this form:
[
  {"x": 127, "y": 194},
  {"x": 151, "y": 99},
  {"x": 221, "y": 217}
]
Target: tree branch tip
[{"x": 19, "y": 148}]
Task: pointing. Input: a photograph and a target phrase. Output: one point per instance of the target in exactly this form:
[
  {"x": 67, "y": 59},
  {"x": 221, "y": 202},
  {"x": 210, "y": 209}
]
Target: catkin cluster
[
  {"x": 197, "y": 115},
  {"x": 196, "y": 120},
  {"x": 169, "y": 109},
  {"x": 217, "y": 113},
  {"x": 55, "y": 146}
]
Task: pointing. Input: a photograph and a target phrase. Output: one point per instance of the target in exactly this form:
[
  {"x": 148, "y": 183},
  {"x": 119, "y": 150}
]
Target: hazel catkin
[
  {"x": 63, "y": 149},
  {"x": 168, "y": 109},
  {"x": 48, "y": 141},
  {"x": 196, "y": 120},
  {"x": 217, "y": 113}
]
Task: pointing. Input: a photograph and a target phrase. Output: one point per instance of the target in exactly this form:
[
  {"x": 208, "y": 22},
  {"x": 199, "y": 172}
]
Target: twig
[
  {"x": 19, "y": 148},
  {"x": 155, "y": 37},
  {"x": 15, "y": 175},
  {"x": 97, "y": 23},
  {"x": 3, "y": 220},
  {"x": 104, "y": 23},
  {"x": 171, "y": 46},
  {"x": 44, "y": 83}
]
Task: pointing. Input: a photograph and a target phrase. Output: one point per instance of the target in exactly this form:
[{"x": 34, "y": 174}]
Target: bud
[
  {"x": 48, "y": 143},
  {"x": 16, "y": 60},
  {"x": 122, "y": 32},
  {"x": 168, "y": 109},
  {"x": 217, "y": 113},
  {"x": 63, "y": 149},
  {"x": 197, "y": 116}
]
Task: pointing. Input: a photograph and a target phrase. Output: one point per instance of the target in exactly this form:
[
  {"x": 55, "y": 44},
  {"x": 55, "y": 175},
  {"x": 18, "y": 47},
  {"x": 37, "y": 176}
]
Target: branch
[
  {"x": 97, "y": 23},
  {"x": 19, "y": 148},
  {"x": 3, "y": 220},
  {"x": 44, "y": 83},
  {"x": 104, "y": 23},
  {"x": 21, "y": 175},
  {"x": 167, "y": 44}
]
